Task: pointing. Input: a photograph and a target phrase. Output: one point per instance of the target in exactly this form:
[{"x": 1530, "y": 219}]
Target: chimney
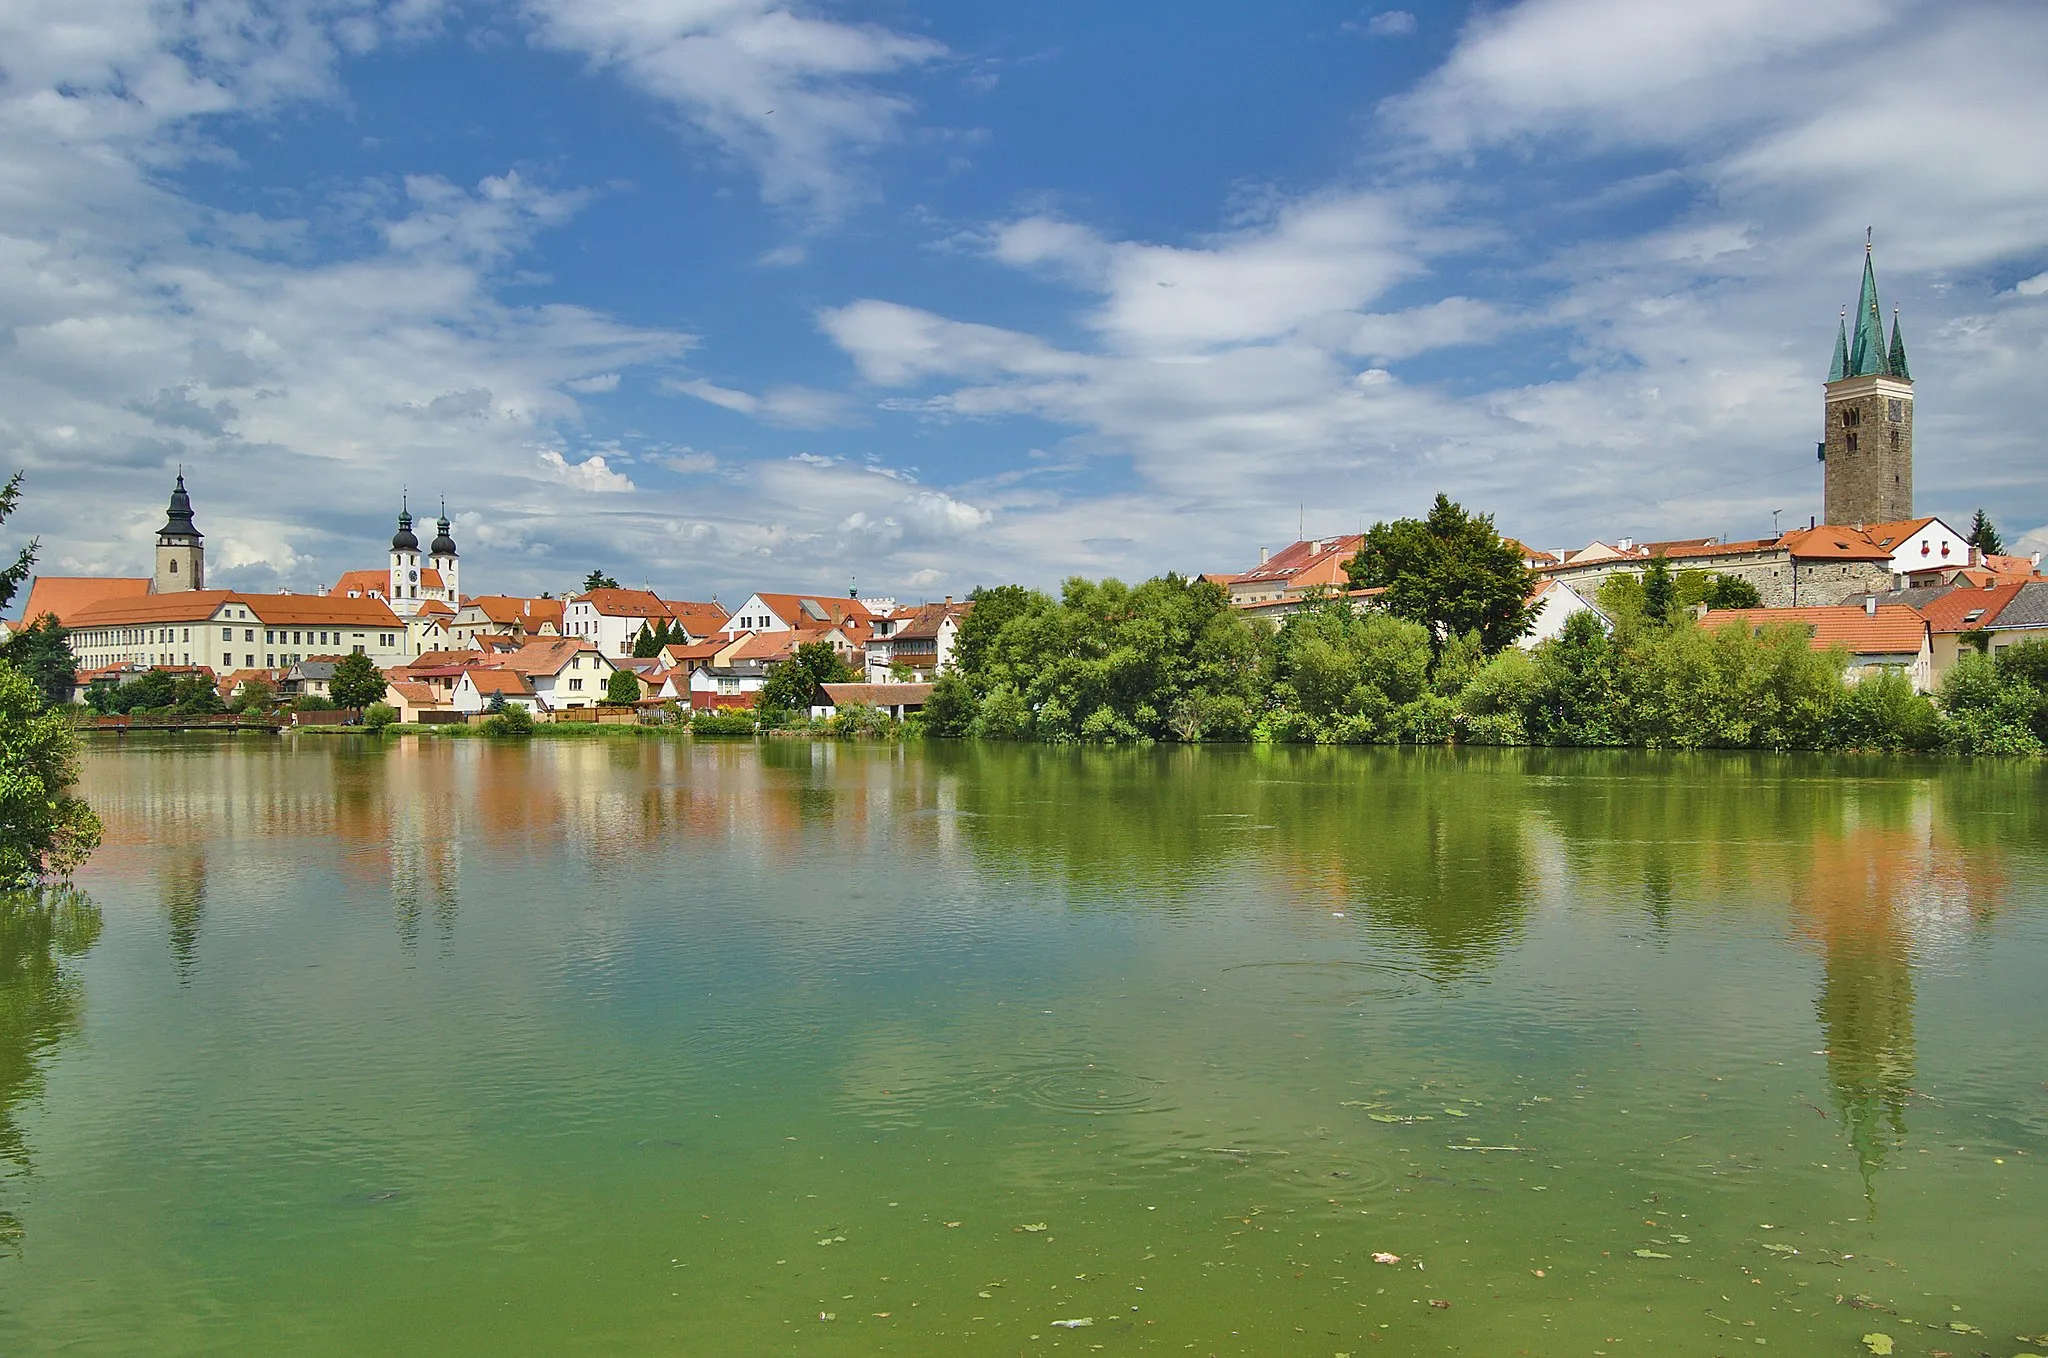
[
  {"x": 1262, "y": 556},
  {"x": 1870, "y": 605},
  {"x": 949, "y": 601}
]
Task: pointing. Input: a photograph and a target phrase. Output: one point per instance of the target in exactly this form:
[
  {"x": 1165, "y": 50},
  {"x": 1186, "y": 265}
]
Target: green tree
[
  {"x": 1658, "y": 599},
  {"x": 45, "y": 831},
  {"x": 377, "y": 716},
  {"x": 1451, "y": 572},
  {"x": 357, "y": 682},
  {"x": 655, "y": 635},
  {"x": 598, "y": 580},
  {"x": 623, "y": 688},
  {"x": 1983, "y": 535},
  {"x": 1732, "y": 591},
  {"x": 42, "y": 651},
  {"x": 196, "y": 695},
  {"x": 793, "y": 686},
  {"x": 950, "y": 709},
  {"x": 514, "y": 720},
  {"x": 255, "y": 695},
  {"x": 1575, "y": 692},
  {"x": 16, "y": 574}
]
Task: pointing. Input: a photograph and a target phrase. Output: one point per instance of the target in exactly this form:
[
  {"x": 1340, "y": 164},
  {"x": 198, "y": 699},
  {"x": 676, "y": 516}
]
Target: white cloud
[
  {"x": 591, "y": 474},
  {"x": 725, "y": 398},
  {"x": 785, "y": 407},
  {"x": 1393, "y": 23},
  {"x": 594, "y": 386},
  {"x": 783, "y": 257},
  {"x": 2037, "y": 286},
  {"x": 790, "y": 95},
  {"x": 1319, "y": 256}
]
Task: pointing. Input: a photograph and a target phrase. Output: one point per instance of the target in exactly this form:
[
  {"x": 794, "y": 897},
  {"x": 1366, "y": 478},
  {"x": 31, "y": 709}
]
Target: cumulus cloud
[{"x": 591, "y": 474}]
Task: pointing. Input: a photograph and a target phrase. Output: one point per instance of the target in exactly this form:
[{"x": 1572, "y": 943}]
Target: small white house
[{"x": 1555, "y": 603}]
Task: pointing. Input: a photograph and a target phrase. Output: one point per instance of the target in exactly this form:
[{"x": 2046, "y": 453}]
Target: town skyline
[{"x": 987, "y": 303}]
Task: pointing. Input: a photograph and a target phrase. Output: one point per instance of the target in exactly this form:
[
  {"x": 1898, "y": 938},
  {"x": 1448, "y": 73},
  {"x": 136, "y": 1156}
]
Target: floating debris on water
[
  {"x": 1033, "y": 1227},
  {"x": 1075, "y": 1324},
  {"x": 1382, "y": 1257}
]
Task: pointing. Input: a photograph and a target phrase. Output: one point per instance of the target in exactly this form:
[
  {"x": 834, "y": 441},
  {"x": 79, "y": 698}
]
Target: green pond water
[{"x": 638, "y": 1046}]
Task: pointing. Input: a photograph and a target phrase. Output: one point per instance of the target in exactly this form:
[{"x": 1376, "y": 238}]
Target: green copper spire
[
  {"x": 1897, "y": 360},
  {"x": 1867, "y": 356},
  {"x": 1839, "y": 369}
]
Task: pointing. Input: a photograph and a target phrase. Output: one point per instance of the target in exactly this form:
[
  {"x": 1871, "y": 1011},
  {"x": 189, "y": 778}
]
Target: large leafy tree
[
  {"x": 1451, "y": 572},
  {"x": 623, "y": 688},
  {"x": 357, "y": 682},
  {"x": 1984, "y": 537},
  {"x": 42, "y": 651},
  {"x": 794, "y": 685},
  {"x": 45, "y": 831},
  {"x": 16, "y": 574},
  {"x": 598, "y": 580}
]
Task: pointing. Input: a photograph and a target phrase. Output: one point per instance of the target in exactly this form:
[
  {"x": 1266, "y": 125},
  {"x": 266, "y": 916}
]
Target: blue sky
[{"x": 731, "y": 294}]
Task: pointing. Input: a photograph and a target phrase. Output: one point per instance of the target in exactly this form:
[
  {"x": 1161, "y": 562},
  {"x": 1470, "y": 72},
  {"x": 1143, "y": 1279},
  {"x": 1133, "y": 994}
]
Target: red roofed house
[
  {"x": 612, "y": 619},
  {"x": 784, "y": 612},
  {"x": 914, "y": 645},
  {"x": 477, "y": 687},
  {"x": 1876, "y": 636},
  {"x": 502, "y": 615}
]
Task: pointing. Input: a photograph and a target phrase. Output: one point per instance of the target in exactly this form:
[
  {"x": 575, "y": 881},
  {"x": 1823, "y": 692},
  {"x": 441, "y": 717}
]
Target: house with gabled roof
[
  {"x": 914, "y": 645},
  {"x": 481, "y": 688},
  {"x": 787, "y": 612},
  {"x": 504, "y": 615},
  {"x": 612, "y": 619}
]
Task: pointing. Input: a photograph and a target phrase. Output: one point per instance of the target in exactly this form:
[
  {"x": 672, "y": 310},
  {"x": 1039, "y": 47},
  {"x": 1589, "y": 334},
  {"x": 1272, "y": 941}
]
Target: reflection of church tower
[
  {"x": 1868, "y": 445},
  {"x": 184, "y": 896},
  {"x": 180, "y": 549},
  {"x": 442, "y": 560}
]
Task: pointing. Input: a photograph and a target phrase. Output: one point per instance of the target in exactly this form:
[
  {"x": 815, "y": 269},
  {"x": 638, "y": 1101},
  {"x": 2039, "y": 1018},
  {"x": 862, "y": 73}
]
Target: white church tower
[
  {"x": 443, "y": 562},
  {"x": 404, "y": 596}
]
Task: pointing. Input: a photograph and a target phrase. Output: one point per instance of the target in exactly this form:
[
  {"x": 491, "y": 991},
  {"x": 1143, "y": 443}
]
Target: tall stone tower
[
  {"x": 1868, "y": 442},
  {"x": 180, "y": 547}
]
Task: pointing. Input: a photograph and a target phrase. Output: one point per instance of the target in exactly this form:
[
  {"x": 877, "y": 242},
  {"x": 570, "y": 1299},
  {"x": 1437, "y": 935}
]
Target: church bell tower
[
  {"x": 180, "y": 548},
  {"x": 1867, "y": 445}
]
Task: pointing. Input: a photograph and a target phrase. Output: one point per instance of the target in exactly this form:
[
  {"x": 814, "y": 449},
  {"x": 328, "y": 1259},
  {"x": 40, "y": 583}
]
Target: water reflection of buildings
[
  {"x": 41, "y": 1003},
  {"x": 1891, "y": 882}
]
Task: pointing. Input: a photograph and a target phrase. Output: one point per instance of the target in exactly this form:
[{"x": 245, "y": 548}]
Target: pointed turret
[
  {"x": 178, "y": 519},
  {"x": 1839, "y": 369},
  {"x": 1896, "y": 359},
  {"x": 404, "y": 540},
  {"x": 1867, "y": 355},
  {"x": 180, "y": 547}
]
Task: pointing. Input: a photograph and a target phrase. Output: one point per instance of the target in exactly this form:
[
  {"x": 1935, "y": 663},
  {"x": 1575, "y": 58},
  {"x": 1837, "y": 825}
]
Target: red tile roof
[
  {"x": 498, "y": 681},
  {"x": 1832, "y": 542},
  {"x": 1893, "y": 629},
  {"x": 878, "y": 695},
  {"x": 1968, "y": 607},
  {"x": 67, "y": 595},
  {"x": 623, "y": 603}
]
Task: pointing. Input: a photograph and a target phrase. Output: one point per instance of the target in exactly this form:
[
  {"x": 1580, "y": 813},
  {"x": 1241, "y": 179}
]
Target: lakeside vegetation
[
  {"x": 1170, "y": 660},
  {"x": 1432, "y": 661}
]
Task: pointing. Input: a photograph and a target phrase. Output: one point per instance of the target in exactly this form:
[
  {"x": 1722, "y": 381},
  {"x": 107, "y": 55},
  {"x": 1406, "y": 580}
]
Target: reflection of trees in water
[
  {"x": 41, "y": 1002},
  {"x": 1429, "y": 845}
]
